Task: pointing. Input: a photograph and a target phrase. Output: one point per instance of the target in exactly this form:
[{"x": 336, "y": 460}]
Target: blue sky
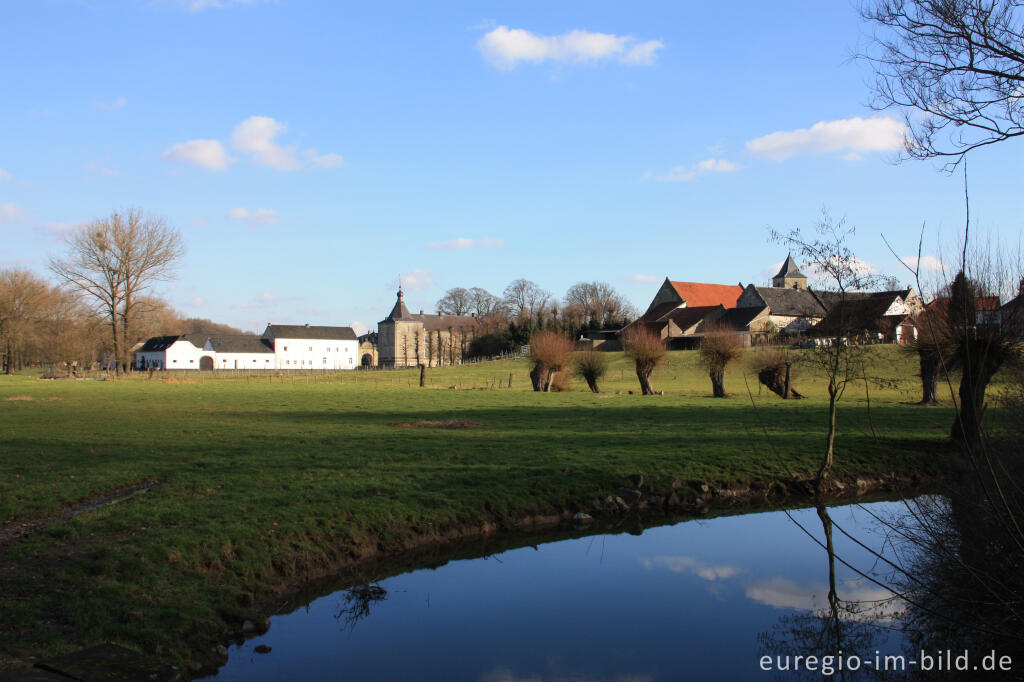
[{"x": 311, "y": 152}]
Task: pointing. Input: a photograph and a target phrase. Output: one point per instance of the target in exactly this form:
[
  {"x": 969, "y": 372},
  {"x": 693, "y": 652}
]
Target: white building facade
[{"x": 282, "y": 347}]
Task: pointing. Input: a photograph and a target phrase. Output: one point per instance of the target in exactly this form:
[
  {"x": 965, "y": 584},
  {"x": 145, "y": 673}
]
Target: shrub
[
  {"x": 647, "y": 349},
  {"x": 591, "y": 366},
  {"x": 549, "y": 353},
  {"x": 718, "y": 348},
  {"x": 772, "y": 365}
]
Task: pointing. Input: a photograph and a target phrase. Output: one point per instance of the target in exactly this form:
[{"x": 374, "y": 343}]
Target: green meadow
[{"x": 263, "y": 479}]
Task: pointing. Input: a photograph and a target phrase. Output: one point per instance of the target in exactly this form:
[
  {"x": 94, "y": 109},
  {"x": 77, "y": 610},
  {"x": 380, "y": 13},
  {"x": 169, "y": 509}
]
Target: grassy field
[{"x": 261, "y": 478}]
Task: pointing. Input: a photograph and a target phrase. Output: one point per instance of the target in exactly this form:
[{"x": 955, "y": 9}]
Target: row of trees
[{"x": 525, "y": 309}]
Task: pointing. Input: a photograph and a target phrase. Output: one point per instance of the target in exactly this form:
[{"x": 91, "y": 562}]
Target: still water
[{"x": 701, "y": 599}]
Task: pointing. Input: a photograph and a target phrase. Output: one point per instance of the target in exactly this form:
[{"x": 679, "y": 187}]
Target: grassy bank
[{"x": 261, "y": 479}]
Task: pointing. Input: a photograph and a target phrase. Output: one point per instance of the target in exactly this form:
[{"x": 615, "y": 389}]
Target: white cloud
[
  {"x": 850, "y": 135},
  {"x": 323, "y": 160},
  {"x": 256, "y": 135},
  {"x": 261, "y": 216},
  {"x": 197, "y": 302},
  {"x": 112, "y": 105},
  {"x": 268, "y": 298},
  {"x": 643, "y": 278},
  {"x": 685, "y": 564},
  {"x": 690, "y": 173},
  {"x": 856, "y": 266},
  {"x": 10, "y": 213},
  {"x": 100, "y": 170},
  {"x": 505, "y": 47},
  {"x": 209, "y": 154},
  {"x": 198, "y": 221},
  {"x": 4, "y": 175},
  {"x": 417, "y": 280},
  {"x": 928, "y": 263},
  {"x": 465, "y": 243},
  {"x": 358, "y": 327}
]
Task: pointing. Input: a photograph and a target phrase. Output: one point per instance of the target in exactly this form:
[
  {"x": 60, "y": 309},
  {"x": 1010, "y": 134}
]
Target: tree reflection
[
  {"x": 845, "y": 630},
  {"x": 356, "y": 606}
]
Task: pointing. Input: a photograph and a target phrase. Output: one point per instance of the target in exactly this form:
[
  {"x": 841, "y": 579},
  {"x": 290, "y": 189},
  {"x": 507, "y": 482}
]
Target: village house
[
  {"x": 882, "y": 318},
  {"x": 409, "y": 340},
  {"x": 682, "y": 312},
  {"x": 281, "y": 347}
]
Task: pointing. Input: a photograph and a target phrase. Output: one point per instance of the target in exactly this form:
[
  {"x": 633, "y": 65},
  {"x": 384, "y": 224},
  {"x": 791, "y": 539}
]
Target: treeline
[
  {"x": 43, "y": 324},
  {"x": 524, "y": 308}
]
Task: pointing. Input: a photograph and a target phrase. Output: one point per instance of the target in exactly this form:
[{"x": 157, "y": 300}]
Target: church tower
[{"x": 789, "y": 276}]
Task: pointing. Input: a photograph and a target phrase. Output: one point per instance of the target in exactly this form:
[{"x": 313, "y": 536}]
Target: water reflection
[{"x": 697, "y": 600}]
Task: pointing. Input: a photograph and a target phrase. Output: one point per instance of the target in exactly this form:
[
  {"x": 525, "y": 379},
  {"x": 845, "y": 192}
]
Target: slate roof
[
  {"x": 305, "y": 331},
  {"x": 790, "y": 269},
  {"x": 240, "y": 343},
  {"x": 430, "y": 322},
  {"x": 158, "y": 343},
  {"x": 791, "y": 302},
  {"x": 699, "y": 294},
  {"x": 831, "y": 298},
  {"x": 685, "y": 318},
  {"x": 738, "y": 319},
  {"x": 860, "y": 314}
]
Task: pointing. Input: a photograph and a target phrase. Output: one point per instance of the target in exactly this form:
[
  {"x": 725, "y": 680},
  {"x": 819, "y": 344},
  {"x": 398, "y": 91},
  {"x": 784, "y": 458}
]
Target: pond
[{"x": 701, "y": 599}]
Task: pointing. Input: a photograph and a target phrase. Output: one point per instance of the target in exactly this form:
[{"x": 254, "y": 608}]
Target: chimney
[
  {"x": 421, "y": 312},
  {"x": 307, "y": 324},
  {"x": 473, "y": 314}
]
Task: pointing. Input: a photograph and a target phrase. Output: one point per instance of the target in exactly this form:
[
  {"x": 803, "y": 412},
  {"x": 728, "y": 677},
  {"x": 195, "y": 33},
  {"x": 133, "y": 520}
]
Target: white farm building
[{"x": 282, "y": 346}]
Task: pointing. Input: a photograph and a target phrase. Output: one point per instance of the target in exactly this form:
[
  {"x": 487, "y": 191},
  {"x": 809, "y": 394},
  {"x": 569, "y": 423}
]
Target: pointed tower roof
[
  {"x": 399, "y": 312},
  {"x": 790, "y": 269}
]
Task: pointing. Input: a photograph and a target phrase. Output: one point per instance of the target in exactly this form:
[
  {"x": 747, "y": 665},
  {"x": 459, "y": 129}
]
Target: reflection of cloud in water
[
  {"x": 508, "y": 675},
  {"x": 869, "y": 602},
  {"x": 686, "y": 564}
]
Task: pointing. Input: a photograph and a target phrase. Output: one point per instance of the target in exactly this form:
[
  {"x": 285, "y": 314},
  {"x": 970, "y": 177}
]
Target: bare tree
[
  {"x": 960, "y": 63},
  {"x": 597, "y": 302},
  {"x": 22, "y": 299},
  {"x": 648, "y": 350},
  {"x": 718, "y": 348},
  {"x": 525, "y": 299},
  {"x": 549, "y": 353},
  {"x": 457, "y": 301},
  {"x": 114, "y": 262},
  {"x": 841, "y": 271},
  {"x": 483, "y": 302},
  {"x": 591, "y": 365}
]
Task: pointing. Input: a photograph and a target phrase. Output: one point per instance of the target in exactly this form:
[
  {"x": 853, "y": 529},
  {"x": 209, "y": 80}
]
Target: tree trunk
[
  {"x": 774, "y": 379},
  {"x": 509, "y": 380},
  {"x": 8, "y": 360},
  {"x": 550, "y": 379},
  {"x": 717, "y": 381},
  {"x": 423, "y": 375},
  {"x": 537, "y": 375},
  {"x": 592, "y": 383},
  {"x": 928, "y": 361},
  {"x": 830, "y": 438},
  {"x": 785, "y": 394},
  {"x": 643, "y": 373}
]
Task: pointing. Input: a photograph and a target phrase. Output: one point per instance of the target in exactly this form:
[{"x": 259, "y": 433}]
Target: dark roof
[
  {"x": 442, "y": 322},
  {"x": 860, "y": 314},
  {"x": 738, "y": 318},
  {"x": 790, "y": 269},
  {"x": 158, "y": 343},
  {"x": 831, "y": 298},
  {"x": 305, "y": 331},
  {"x": 240, "y": 343},
  {"x": 399, "y": 312},
  {"x": 685, "y": 318},
  {"x": 658, "y": 312},
  {"x": 791, "y": 302}
]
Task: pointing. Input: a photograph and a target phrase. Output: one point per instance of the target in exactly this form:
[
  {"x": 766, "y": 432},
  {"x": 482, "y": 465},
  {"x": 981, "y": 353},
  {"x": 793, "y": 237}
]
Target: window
[
  {"x": 286, "y": 347},
  {"x": 266, "y": 361},
  {"x": 191, "y": 360},
  {"x": 254, "y": 359},
  {"x": 174, "y": 361},
  {"x": 311, "y": 347}
]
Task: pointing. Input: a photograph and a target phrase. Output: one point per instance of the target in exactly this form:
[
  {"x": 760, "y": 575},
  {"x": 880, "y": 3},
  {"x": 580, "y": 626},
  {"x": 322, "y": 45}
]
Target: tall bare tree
[
  {"x": 457, "y": 301},
  {"x": 597, "y": 302},
  {"x": 525, "y": 298},
  {"x": 960, "y": 63},
  {"x": 22, "y": 299},
  {"x": 114, "y": 261}
]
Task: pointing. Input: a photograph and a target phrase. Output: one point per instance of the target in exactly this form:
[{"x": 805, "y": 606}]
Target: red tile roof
[{"x": 697, "y": 294}]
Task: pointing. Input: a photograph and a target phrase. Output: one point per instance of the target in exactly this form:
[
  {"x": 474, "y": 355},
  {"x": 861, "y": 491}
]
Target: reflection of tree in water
[
  {"x": 358, "y": 600},
  {"x": 845, "y": 628}
]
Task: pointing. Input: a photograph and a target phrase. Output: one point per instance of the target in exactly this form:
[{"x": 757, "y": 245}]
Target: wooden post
[
  {"x": 423, "y": 375},
  {"x": 786, "y": 396},
  {"x": 509, "y": 380}
]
